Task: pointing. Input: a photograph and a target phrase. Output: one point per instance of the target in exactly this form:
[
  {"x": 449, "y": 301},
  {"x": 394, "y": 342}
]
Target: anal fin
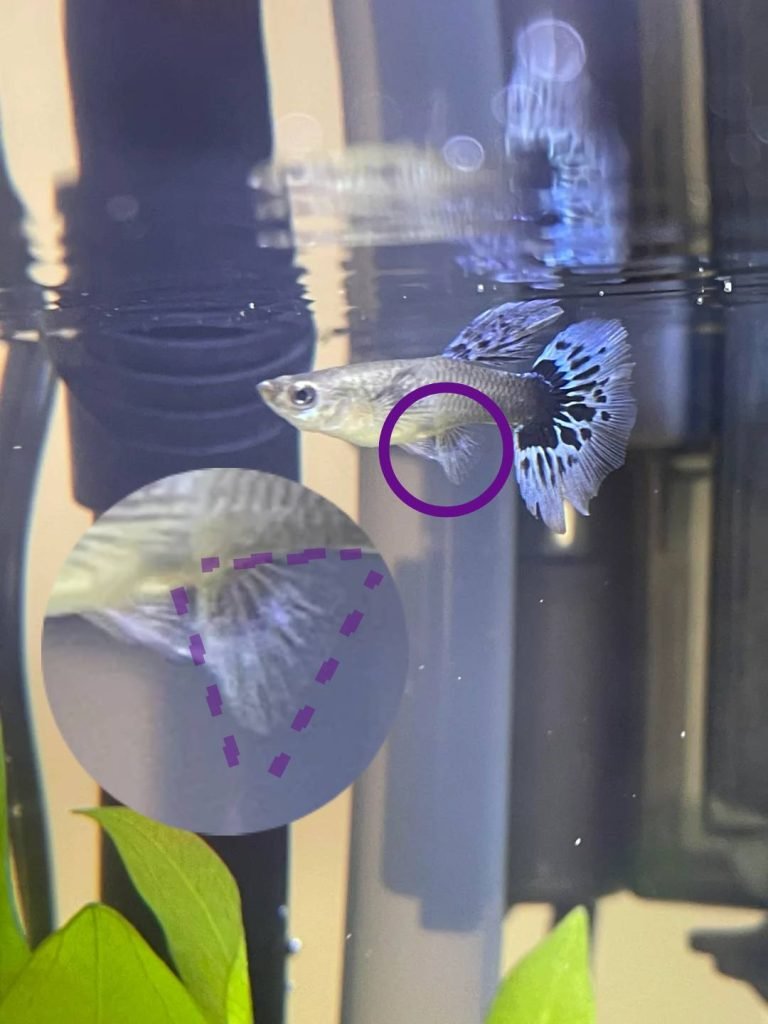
[{"x": 452, "y": 449}]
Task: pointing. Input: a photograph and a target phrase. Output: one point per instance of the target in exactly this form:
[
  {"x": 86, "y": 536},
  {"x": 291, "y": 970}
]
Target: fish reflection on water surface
[
  {"x": 120, "y": 574},
  {"x": 571, "y": 415}
]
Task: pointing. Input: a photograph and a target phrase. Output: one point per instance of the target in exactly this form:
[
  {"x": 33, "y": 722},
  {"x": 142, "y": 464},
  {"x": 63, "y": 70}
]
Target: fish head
[{"x": 334, "y": 402}]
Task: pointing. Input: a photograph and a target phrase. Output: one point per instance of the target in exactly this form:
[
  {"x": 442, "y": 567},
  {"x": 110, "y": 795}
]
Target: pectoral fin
[{"x": 153, "y": 624}]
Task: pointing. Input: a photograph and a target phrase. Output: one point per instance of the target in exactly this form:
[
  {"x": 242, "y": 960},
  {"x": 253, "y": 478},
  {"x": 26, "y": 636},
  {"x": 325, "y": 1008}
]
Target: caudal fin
[{"x": 585, "y": 433}]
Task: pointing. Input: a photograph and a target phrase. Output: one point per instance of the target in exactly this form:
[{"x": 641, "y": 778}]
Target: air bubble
[
  {"x": 123, "y": 208},
  {"x": 298, "y": 134},
  {"x": 552, "y": 49},
  {"x": 464, "y": 153}
]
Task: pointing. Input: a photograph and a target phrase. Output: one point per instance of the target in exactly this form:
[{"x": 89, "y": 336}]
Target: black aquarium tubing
[
  {"x": 26, "y": 394},
  {"x": 171, "y": 111}
]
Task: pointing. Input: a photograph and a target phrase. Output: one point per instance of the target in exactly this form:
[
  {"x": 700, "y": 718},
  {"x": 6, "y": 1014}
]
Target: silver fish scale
[
  {"x": 268, "y": 513},
  {"x": 169, "y": 524},
  {"x": 520, "y": 396}
]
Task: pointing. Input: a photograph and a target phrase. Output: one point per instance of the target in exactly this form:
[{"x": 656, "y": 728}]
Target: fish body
[
  {"x": 571, "y": 414},
  {"x": 361, "y": 397}
]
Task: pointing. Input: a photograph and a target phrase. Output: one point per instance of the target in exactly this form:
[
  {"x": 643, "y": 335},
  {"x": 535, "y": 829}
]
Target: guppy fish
[
  {"x": 571, "y": 415},
  {"x": 119, "y": 576}
]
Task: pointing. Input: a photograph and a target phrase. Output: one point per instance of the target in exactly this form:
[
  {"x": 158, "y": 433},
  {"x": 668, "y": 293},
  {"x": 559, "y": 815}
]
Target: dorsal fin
[{"x": 503, "y": 333}]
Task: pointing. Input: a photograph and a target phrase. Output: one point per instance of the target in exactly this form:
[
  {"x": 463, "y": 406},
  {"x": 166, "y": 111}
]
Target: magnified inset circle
[
  {"x": 507, "y": 450},
  {"x": 224, "y": 651}
]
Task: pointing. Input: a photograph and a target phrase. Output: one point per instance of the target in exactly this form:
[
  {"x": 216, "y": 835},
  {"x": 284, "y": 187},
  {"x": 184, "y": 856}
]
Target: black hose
[{"x": 26, "y": 396}]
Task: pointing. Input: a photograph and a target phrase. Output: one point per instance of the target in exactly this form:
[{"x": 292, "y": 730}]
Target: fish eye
[{"x": 303, "y": 395}]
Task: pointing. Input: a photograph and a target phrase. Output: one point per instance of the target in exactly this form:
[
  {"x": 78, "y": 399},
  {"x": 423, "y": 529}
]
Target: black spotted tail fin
[{"x": 583, "y": 435}]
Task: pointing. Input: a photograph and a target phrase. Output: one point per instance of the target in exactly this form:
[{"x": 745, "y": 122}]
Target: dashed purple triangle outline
[{"x": 325, "y": 673}]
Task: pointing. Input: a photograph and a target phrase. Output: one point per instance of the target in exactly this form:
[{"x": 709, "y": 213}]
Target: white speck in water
[
  {"x": 634, "y": 796},
  {"x": 421, "y": 668},
  {"x": 481, "y": 288},
  {"x": 17, "y": 447},
  {"x": 16, "y": 810},
  {"x": 294, "y": 945},
  {"x": 728, "y": 286},
  {"x": 64, "y": 333},
  {"x": 577, "y": 841},
  {"x": 251, "y": 305},
  {"x": 699, "y": 300},
  {"x": 541, "y": 600},
  {"x": 282, "y": 911},
  {"x": 464, "y": 153},
  {"x": 682, "y": 734},
  {"x": 601, "y": 293},
  {"x": 459, "y": 678},
  {"x": 348, "y": 936}
]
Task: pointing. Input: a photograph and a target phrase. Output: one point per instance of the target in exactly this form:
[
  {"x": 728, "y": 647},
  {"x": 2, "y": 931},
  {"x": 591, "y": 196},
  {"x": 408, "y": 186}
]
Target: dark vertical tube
[
  {"x": 735, "y": 40},
  {"x": 174, "y": 312},
  {"x": 26, "y": 389}
]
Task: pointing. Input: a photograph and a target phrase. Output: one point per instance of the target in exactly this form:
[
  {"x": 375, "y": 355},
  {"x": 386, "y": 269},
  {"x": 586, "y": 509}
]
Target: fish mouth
[{"x": 268, "y": 391}]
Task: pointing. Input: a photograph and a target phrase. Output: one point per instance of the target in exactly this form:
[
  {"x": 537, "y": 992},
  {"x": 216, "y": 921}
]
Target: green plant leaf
[
  {"x": 552, "y": 984},
  {"x": 97, "y": 969},
  {"x": 197, "y": 903},
  {"x": 14, "y": 952}
]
